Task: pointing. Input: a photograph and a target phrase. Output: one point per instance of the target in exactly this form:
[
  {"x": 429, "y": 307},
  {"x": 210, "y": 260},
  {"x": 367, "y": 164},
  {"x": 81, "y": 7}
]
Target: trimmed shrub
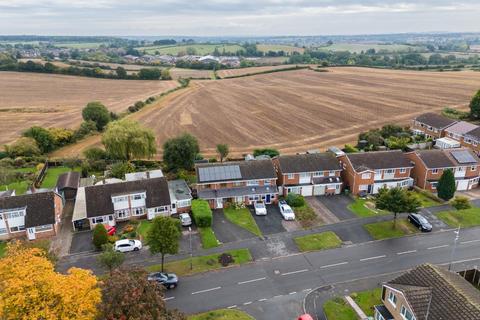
[
  {"x": 295, "y": 200},
  {"x": 100, "y": 236},
  {"x": 202, "y": 214},
  {"x": 225, "y": 259},
  {"x": 461, "y": 203}
]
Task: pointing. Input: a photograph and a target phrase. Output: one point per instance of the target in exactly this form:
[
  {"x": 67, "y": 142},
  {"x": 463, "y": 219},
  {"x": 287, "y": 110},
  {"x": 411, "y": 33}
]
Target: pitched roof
[
  {"x": 452, "y": 297},
  {"x": 363, "y": 161},
  {"x": 40, "y": 207},
  {"x": 99, "y": 197},
  {"x": 308, "y": 162},
  {"x": 435, "y": 120},
  {"x": 444, "y": 158},
  {"x": 475, "y": 133},
  {"x": 69, "y": 179},
  {"x": 461, "y": 127},
  {"x": 235, "y": 171}
]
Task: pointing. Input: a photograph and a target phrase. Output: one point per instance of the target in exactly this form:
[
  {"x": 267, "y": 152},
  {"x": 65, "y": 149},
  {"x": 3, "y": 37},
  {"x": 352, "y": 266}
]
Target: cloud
[{"x": 235, "y": 17}]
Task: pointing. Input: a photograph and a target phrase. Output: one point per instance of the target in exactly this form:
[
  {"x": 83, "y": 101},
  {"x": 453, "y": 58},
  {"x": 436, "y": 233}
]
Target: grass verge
[
  {"x": 366, "y": 300},
  {"x": 208, "y": 238},
  {"x": 318, "y": 241},
  {"x": 361, "y": 210},
  {"x": 203, "y": 263},
  {"x": 385, "y": 230},
  {"x": 221, "y": 314},
  {"x": 242, "y": 218},
  {"x": 338, "y": 309},
  {"x": 463, "y": 218}
]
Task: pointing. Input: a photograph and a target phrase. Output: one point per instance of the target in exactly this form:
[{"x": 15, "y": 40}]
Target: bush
[
  {"x": 43, "y": 137},
  {"x": 295, "y": 200},
  {"x": 202, "y": 214},
  {"x": 225, "y": 259},
  {"x": 100, "y": 236},
  {"x": 349, "y": 149},
  {"x": 86, "y": 128},
  {"x": 22, "y": 147},
  {"x": 98, "y": 113},
  {"x": 132, "y": 109},
  {"x": 461, "y": 203},
  {"x": 139, "y": 105},
  {"x": 266, "y": 152},
  {"x": 119, "y": 169},
  {"x": 95, "y": 153}
]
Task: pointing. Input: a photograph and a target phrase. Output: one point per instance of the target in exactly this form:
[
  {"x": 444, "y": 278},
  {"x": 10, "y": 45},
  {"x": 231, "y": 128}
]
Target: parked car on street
[
  {"x": 286, "y": 210},
  {"x": 185, "y": 219},
  {"x": 111, "y": 230},
  {"x": 168, "y": 280},
  {"x": 420, "y": 222},
  {"x": 127, "y": 245},
  {"x": 260, "y": 209}
]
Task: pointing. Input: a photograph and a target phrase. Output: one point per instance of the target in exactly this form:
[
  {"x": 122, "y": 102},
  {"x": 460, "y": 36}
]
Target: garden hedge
[{"x": 202, "y": 214}]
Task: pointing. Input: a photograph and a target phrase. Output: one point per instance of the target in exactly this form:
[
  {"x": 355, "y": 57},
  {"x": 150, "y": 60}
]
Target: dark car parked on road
[
  {"x": 168, "y": 280},
  {"x": 420, "y": 222}
]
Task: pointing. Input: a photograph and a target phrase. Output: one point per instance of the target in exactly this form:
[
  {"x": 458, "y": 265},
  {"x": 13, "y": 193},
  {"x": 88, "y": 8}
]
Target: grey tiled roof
[
  {"x": 249, "y": 170},
  {"x": 40, "y": 207},
  {"x": 69, "y": 180},
  {"x": 435, "y": 120},
  {"x": 308, "y": 162},
  {"x": 461, "y": 127},
  {"x": 378, "y": 160},
  {"x": 442, "y": 158}
]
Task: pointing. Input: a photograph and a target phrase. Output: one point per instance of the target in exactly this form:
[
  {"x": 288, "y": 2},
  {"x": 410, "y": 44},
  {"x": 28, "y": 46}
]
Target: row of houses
[{"x": 231, "y": 61}]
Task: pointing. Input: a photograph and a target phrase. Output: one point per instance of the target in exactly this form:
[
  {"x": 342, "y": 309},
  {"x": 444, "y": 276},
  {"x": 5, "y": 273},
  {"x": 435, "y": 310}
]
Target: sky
[{"x": 236, "y": 17}]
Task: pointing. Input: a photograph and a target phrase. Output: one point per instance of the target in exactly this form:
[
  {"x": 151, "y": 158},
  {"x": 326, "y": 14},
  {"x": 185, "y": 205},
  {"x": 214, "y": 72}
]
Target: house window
[
  {"x": 291, "y": 176},
  {"x": 473, "y": 168},
  {"x": 378, "y": 171},
  {"x": 110, "y": 218},
  {"x": 119, "y": 199},
  {"x": 331, "y": 173},
  {"x": 363, "y": 187},
  {"x": 3, "y": 230},
  {"x": 318, "y": 174},
  {"x": 406, "y": 314},
  {"x": 378, "y": 316},
  {"x": 253, "y": 183},
  {"x": 366, "y": 176},
  {"x": 138, "y": 211},
  {"x": 434, "y": 184},
  {"x": 46, "y": 227},
  {"x": 392, "y": 298},
  {"x": 461, "y": 169},
  {"x": 294, "y": 190},
  {"x": 389, "y": 171},
  {"x": 138, "y": 197},
  {"x": 98, "y": 220},
  {"x": 160, "y": 209},
  {"x": 403, "y": 170},
  {"x": 184, "y": 203},
  {"x": 17, "y": 228},
  {"x": 434, "y": 171},
  {"x": 15, "y": 214},
  {"x": 237, "y": 184},
  {"x": 122, "y": 214}
]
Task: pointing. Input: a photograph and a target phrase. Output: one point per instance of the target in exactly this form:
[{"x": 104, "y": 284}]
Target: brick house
[
  {"x": 35, "y": 215},
  {"x": 309, "y": 174},
  {"x": 431, "y": 125},
  {"x": 458, "y": 130},
  {"x": 237, "y": 181},
  {"x": 122, "y": 201},
  {"x": 368, "y": 172},
  {"x": 471, "y": 140},
  {"x": 430, "y": 165},
  {"x": 428, "y": 292}
]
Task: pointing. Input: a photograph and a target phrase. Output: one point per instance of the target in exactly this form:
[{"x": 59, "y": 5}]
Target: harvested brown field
[
  {"x": 48, "y": 100},
  {"x": 299, "y": 110},
  {"x": 177, "y": 73},
  {"x": 252, "y": 70}
]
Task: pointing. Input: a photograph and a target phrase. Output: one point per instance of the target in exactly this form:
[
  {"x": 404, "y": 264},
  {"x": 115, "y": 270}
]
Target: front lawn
[
  {"x": 366, "y": 300},
  {"x": 361, "y": 208},
  {"x": 203, "y": 263},
  {"x": 318, "y": 241},
  {"x": 242, "y": 218},
  {"x": 338, "y": 309},
  {"x": 3, "y": 247},
  {"x": 425, "y": 201},
  {"x": 463, "y": 218},
  {"x": 50, "y": 179},
  {"x": 385, "y": 230},
  {"x": 208, "y": 238},
  {"x": 221, "y": 314},
  {"x": 143, "y": 227},
  {"x": 306, "y": 216}
]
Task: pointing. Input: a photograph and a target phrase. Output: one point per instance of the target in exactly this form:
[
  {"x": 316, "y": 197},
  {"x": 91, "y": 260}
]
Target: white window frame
[
  {"x": 332, "y": 173},
  {"x": 318, "y": 174},
  {"x": 363, "y": 187},
  {"x": 366, "y": 175},
  {"x": 403, "y": 313},
  {"x": 392, "y": 298},
  {"x": 3, "y": 231},
  {"x": 16, "y": 229},
  {"x": 434, "y": 171},
  {"x": 403, "y": 170},
  {"x": 253, "y": 183},
  {"x": 184, "y": 203},
  {"x": 291, "y": 176},
  {"x": 388, "y": 171},
  {"x": 44, "y": 228}
]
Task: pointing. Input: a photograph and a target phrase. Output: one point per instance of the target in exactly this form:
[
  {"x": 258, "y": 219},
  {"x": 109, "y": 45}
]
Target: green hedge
[
  {"x": 202, "y": 214},
  {"x": 295, "y": 200}
]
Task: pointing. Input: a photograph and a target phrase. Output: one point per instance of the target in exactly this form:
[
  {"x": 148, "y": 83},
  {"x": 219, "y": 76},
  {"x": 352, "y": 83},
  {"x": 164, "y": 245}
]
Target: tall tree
[
  {"x": 475, "y": 106},
  {"x": 110, "y": 258},
  {"x": 446, "y": 185},
  {"x": 128, "y": 294},
  {"x": 163, "y": 236},
  {"x": 223, "y": 151},
  {"x": 126, "y": 140},
  {"x": 397, "y": 200},
  {"x": 96, "y": 112},
  {"x": 31, "y": 289},
  {"x": 180, "y": 152}
]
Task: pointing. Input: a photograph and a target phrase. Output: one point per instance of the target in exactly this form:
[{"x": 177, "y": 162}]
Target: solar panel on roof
[
  {"x": 463, "y": 156},
  {"x": 219, "y": 173}
]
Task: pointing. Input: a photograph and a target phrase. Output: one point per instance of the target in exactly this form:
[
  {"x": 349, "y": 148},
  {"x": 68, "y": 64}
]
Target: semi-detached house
[
  {"x": 368, "y": 172},
  {"x": 431, "y": 125},
  {"x": 237, "y": 181},
  {"x": 309, "y": 174}
]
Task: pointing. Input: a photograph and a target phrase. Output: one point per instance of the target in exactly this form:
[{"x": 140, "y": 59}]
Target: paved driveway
[
  {"x": 82, "y": 242},
  {"x": 225, "y": 231},
  {"x": 338, "y": 205},
  {"x": 271, "y": 223}
]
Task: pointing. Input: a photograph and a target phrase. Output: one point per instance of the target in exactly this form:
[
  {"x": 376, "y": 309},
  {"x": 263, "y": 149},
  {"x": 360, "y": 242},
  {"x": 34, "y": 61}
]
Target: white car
[
  {"x": 260, "y": 209},
  {"x": 185, "y": 219},
  {"x": 127, "y": 245},
  {"x": 286, "y": 210}
]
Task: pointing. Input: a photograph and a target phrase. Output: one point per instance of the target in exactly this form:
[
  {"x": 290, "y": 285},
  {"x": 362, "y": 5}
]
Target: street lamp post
[
  {"x": 457, "y": 235},
  {"x": 191, "y": 253}
]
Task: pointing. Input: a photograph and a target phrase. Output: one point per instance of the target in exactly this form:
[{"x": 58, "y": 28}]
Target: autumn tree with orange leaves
[{"x": 31, "y": 289}]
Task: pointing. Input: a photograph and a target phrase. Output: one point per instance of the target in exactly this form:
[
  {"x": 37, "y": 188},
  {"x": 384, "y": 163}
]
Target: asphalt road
[{"x": 262, "y": 282}]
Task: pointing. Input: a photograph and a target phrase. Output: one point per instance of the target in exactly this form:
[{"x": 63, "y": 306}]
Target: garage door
[
  {"x": 462, "y": 185},
  {"x": 307, "y": 191},
  {"x": 318, "y": 190}
]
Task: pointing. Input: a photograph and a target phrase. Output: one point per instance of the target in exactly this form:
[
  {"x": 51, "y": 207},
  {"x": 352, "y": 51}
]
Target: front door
[
  {"x": 219, "y": 203},
  {"x": 31, "y": 233},
  {"x": 370, "y": 188},
  {"x": 267, "y": 199}
]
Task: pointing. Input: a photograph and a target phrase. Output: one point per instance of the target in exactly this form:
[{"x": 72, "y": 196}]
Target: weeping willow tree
[{"x": 127, "y": 140}]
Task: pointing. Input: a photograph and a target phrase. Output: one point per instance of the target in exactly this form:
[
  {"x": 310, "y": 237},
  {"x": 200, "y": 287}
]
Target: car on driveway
[
  {"x": 111, "y": 230},
  {"x": 420, "y": 222},
  {"x": 185, "y": 219},
  {"x": 286, "y": 210},
  {"x": 127, "y": 245},
  {"x": 168, "y": 280},
  {"x": 260, "y": 209}
]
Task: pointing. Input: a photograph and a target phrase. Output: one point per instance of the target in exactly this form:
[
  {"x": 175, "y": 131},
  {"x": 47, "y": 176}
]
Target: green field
[
  {"x": 359, "y": 47},
  {"x": 279, "y": 47},
  {"x": 200, "y": 49},
  {"x": 221, "y": 314}
]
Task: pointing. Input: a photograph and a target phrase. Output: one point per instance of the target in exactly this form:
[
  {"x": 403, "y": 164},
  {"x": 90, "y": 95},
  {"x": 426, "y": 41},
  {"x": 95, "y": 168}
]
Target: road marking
[
  {"x": 292, "y": 292},
  {"x": 293, "y": 272},
  {"x": 372, "y": 258},
  {"x": 169, "y": 298},
  {"x": 206, "y": 290},
  {"x": 333, "y": 265},
  {"x": 405, "y": 252},
  {"x": 261, "y": 300},
  {"x": 247, "y": 303},
  {"x": 253, "y": 280},
  {"x": 277, "y": 296},
  {"x": 307, "y": 290},
  {"x": 231, "y": 307},
  {"x": 471, "y": 241},
  {"x": 438, "y": 247}
]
